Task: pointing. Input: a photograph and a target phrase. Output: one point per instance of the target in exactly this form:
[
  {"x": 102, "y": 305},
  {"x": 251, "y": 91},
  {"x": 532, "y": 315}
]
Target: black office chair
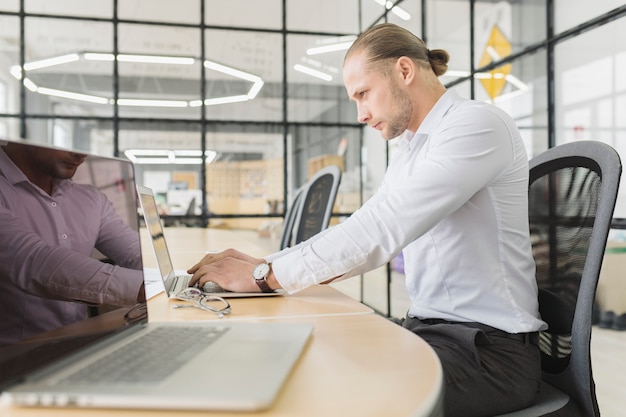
[
  {"x": 314, "y": 206},
  {"x": 572, "y": 193},
  {"x": 290, "y": 219}
]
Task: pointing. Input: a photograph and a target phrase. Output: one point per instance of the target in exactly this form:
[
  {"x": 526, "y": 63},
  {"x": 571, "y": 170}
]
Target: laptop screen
[
  {"x": 64, "y": 254},
  {"x": 155, "y": 229}
]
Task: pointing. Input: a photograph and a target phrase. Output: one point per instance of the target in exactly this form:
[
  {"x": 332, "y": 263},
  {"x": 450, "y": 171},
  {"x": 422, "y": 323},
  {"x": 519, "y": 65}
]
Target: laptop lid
[
  {"x": 242, "y": 370},
  {"x": 155, "y": 230},
  {"x": 44, "y": 342}
]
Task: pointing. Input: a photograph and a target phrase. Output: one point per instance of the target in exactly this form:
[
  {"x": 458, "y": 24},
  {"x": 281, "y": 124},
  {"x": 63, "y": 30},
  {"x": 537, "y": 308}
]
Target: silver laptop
[
  {"x": 173, "y": 282},
  {"x": 117, "y": 358}
]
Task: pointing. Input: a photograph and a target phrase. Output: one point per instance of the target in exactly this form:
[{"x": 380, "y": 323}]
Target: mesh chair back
[
  {"x": 317, "y": 203},
  {"x": 290, "y": 219},
  {"x": 572, "y": 193}
]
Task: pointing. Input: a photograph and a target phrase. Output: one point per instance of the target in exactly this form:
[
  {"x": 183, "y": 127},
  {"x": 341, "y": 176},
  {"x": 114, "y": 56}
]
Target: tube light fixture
[
  {"x": 401, "y": 13},
  {"x": 313, "y": 72},
  {"x": 162, "y": 156},
  {"x": 342, "y": 46}
]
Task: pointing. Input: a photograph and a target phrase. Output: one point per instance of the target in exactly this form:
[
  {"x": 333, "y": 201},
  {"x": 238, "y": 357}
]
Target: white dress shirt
[{"x": 454, "y": 199}]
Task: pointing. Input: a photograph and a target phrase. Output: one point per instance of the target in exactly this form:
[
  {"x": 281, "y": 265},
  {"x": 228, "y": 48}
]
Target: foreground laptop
[
  {"x": 233, "y": 366},
  {"x": 173, "y": 282}
]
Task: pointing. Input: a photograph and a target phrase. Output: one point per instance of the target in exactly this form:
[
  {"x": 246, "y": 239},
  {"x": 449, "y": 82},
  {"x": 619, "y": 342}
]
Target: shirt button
[
  {"x": 53, "y": 204},
  {"x": 64, "y": 236}
]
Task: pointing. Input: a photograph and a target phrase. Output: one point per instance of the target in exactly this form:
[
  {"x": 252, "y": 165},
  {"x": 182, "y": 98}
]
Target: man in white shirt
[{"x": 454, "y": 199}]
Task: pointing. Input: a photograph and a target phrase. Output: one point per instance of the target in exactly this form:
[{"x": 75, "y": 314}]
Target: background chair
[
  {"x": 312, "y": 207},
  {"x": 290, "y": 219},
  {"x": 572, "y": 193}
]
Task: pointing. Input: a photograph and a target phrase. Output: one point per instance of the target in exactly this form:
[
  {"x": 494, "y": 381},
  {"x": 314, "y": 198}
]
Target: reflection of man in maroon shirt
[{"x": 49, "y": 227}]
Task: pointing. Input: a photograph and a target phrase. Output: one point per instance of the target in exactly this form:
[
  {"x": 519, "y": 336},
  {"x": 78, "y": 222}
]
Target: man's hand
[{"x": 230, "y": 269}]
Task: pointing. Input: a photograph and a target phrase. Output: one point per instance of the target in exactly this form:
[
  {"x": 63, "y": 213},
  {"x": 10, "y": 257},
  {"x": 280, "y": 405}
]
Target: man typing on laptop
[{"x": 49, "y": 227}]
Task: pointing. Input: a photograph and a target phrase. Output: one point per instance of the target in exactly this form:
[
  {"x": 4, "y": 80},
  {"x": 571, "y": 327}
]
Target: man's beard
[{"x": 400, "y": 122}]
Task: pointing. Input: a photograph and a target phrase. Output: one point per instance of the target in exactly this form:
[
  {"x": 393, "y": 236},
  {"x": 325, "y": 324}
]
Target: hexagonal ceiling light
[{"x": 257, "y": 82}]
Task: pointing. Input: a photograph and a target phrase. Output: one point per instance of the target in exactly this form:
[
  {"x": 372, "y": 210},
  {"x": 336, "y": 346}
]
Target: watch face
[{"x": 261, "y": 271}]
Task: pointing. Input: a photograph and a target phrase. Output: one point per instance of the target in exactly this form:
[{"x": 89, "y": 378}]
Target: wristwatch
[{"x": 259, "y": 274}]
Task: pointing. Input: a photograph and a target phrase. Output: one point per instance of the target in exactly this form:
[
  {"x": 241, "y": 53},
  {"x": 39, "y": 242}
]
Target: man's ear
[{"x": 406, "y": 68}]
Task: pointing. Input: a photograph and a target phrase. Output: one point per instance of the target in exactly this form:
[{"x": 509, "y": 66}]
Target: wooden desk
[{"x": 356, "y": 363}]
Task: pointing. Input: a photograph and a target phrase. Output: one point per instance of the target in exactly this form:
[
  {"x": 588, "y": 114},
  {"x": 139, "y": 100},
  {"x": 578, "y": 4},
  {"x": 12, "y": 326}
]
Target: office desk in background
[{"x": 356, "y": 363}]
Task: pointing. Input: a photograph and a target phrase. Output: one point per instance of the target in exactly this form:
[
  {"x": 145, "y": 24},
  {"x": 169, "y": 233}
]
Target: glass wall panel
[
  {"x": 315, "y": 90},
  {"x": 168, "y": 160},
  {"x": 322, "y": 16},
  {"x": 371, "y": 12},
  {"x": 266, "y": 14},
  {"x": 314, "y": 147},
  {"x": 92, "y": 136},
  {"x": 244, "y": 75},
  {"x": 86, "y": 8},
  {"x": 9, "y": 128},
  {"x": 407, "y": 14},
  {"x": 63, "y": 78},
  {"x": 10, "y": 5},
  {"x": 179, "y": 11},
  {"x": 507, "y": 27},
  {"x": 9, "y": 75},
  {"x": 520, "y": 88},
  {"x": 159, "y": 71},
  {"x": 247, "y": 174},
  {"x": 590, "y": 89},
  {"x": 448, "y": 28},
  {"x": 570, "y": 13}
]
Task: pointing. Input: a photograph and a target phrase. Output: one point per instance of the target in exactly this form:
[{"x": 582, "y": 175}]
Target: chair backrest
[
  {"x": 317, "y": 201},
  {"x": 572, "y": 193},
  {"x": 290, "y": 219}
]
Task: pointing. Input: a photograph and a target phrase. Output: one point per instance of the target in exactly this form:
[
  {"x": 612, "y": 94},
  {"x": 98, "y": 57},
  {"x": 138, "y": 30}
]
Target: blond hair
[{"x": 386, "y": 42}]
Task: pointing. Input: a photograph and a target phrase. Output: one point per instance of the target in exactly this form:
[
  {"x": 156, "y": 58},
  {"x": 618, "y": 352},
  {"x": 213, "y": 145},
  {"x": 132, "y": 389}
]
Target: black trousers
[{"x": 486, "y": 371}]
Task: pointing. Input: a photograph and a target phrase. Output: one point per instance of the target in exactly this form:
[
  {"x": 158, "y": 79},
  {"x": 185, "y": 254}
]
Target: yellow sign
[{"x": 497, "y": 48}]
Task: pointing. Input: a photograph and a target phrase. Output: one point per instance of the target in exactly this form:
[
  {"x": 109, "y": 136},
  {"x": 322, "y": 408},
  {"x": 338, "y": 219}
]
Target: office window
[
  {"x": 407, "y": 14},
  {"x": 62, "y": 78},
  {"x": 520, "y": 89},
  {"x": 179, "y": 11},
  {"x": 570, "y": 13},
  {"x": 323, "y": 16},
  {"x": 506, "y": 27},
  {"x": 10, "y": 5},
  {"x": 315, "y": 90},
  {"x": 590, "y": 89},
  {"x": 159, "y": 71},
  {"x": 85, "y": 8},
  {"x": 168, "y": 159},
  {"x": 9, "y": 60},
  {"x": 244, "y": 75},
  {"x": 266, "y": 14},
  {"x": 448, "y": 28}
]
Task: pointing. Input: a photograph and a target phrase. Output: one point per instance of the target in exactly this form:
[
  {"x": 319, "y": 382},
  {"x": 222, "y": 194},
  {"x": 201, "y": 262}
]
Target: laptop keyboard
[{"x": 151, "y": 358}]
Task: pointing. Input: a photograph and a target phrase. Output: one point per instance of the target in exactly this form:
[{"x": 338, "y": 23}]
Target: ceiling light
[
  {"x": 30, "y": 85},
  {"x": 162, "y": 156},
  {"x": 257, "y": 82},
  {"x": 72, "y": 96},
  {"x": 152, "y": 103},
  {"x": 312, "y": 72},
  {"x": 401, "y": 13},
  {"x": 50, "y": 62},
  {"x": 329, "y": 48}
]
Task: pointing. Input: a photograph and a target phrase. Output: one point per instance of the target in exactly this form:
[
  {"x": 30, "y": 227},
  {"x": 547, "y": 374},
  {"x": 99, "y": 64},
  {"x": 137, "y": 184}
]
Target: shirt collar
[
  {"x": 434, "y": 116},
  {"x": 439, "y": 110},
  {"x": 14, "y": 175},
  {"x": 9, "y": 170}
]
